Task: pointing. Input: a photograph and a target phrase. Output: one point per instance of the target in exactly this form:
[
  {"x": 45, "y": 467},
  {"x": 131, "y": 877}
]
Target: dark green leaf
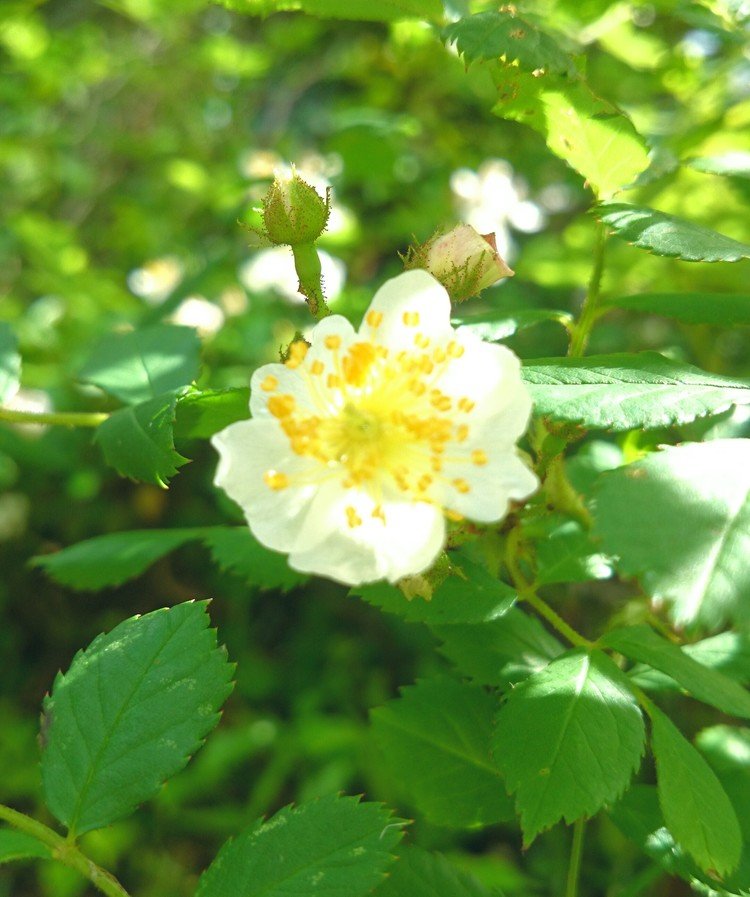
[
  {"x": 435, "y": 741},
  {"x": 721, "y": 309},
  {"x": 146, "y": 363},
  {"x": 20, "y": 846},
  {"x": 504, "y": 35},
  {"x": 421, "y": 874},
  {"x": 382, "y": 11},
  {"x": 201, "y": 414},
  {"x": 680, "y": 520},
  {"x": 582, "y": 740},
  {"x": 627, "y": 392},
  {"x": 10, "y": 363},
  {"x": 695, "y": 806},
  {"x": 503, "y": 323},
  {"x": 643, "y": 644},
  {"x": 237, "y": 550},
  {"x": 129, "y": 713},
  {"x": 112, "y": 559},
  {"x": 667, "y": 235},
  {"x": 332, "y": 847},
  {"x": 139, "y": 443}
]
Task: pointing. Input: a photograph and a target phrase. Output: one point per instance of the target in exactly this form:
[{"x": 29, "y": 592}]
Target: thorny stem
[
  {"x": 589, "y": 312},
  {"x": 53, "y": 418},
  {"x": 307, "y": 265},
  {"x": 576, "y": 852},
  {"x": 65, "y": 851}
]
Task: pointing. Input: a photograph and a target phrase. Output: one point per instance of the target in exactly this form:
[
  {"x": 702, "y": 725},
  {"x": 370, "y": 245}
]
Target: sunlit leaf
[
  {"x": 736, "y": 164},
  {"x": 502, "y": 323},
  {"x": 10, "y": 363},
  {"x": 380, "y": 11},
  {"x": 201, "y": 414}
]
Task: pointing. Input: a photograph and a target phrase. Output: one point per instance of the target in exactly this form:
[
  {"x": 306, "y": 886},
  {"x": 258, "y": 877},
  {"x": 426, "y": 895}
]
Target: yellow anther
[
  {"x": 333, "y": 381},
  {"x": 374, "y": 318},
  {"x": 357, "y": 363},
  {"x": 460, "y": 485},
  {"x": 465, "y": 404},
  {"x": 281, "y": 406},
  {"x": 378, "y": 513},
  {"x": 453, "y": 515},
  {"x": 455, "y": 350},
  {"x": 274, "y": 479},
  {"x": 352, "y": 517},
  {"x": 440, "y": 355},
  {"x": 417, "y": 387},
  {"x": 442, "y": 403},
  {"x": 269, "y": 383},
  {"x": 297, "y": 352},
  {"x": 317, "y": 367},
  {"x": 462, "y": 432},
  {"x": 478, "y": 457},
  {"x": 421, "y": 340},
  {"x": 424, "y": 482},
  {"x": 436, "y": 464},
  {"x": 425, "y": 365},
  {"x": 411, "y": 318},
  {"x": 333, "y": 341}
]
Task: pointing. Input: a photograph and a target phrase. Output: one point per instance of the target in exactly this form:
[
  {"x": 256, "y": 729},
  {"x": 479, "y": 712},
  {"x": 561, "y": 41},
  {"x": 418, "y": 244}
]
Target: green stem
[
  {"x": 64, "y": 851},
  {"x": 307, "y": 265},
  {"x": 576, "y": 852},
  {"x": 53, "y": 418},
  {"x": 590, "y": 310}
]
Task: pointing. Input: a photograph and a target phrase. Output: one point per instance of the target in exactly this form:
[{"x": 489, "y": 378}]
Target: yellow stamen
[
  {"x": 461, "y": 486},
  {"x": 333, "y": 342},
  {"x": 465, "y": 404},
  {"x": 374, "y": 318},
  {"x": 455, "y": 350},
  {"x": 276, "y": 480},
  {"x": 281, "y": 406},
  {"x": 317, "y": 367},
  {"x": 478, "y": 457},
  {"x": 297, "y": 352},
  {"x": 411, "y": 318},
  {"x": 269, "y": 383},
  {"x": 352, "y": 517}
]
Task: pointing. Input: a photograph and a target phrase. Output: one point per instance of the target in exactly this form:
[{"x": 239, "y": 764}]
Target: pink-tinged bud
[
  {"x": 464, "y": 261},
  {"x": 294, "y": 213}
]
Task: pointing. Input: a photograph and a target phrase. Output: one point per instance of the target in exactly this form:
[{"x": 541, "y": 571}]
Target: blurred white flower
[
  {"x": 155, "y": 280},
  {"x": 493, "y": 200},
  {"x": 363, "y": 442},
  {"x": 273, "y": 269},
  {"x": 36, "y": 401},
  {"x": 195, "y": 311}
]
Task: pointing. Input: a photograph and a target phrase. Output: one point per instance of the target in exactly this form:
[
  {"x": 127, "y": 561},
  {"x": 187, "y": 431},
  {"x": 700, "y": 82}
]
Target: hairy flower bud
[
  {"x": 294, "y": 213},
  {"x": 464, "y": 261}
]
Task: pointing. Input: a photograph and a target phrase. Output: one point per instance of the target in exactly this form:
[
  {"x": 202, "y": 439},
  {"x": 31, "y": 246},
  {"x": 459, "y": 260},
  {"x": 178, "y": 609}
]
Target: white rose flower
[{"x": 364, "y": 442}]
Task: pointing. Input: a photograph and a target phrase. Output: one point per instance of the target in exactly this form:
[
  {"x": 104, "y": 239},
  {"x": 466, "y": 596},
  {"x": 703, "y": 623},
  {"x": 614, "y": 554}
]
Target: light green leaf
[
  {"x": 468, "y": 595},
  {"x": 502, "y": 323},
  {"x": 565, "y": 552},
  {"x": 201, "y": 414},
  {"x": 591, "y": 135},
  {"x": 144, "y": 364},
  {"x": 721, "y": 309},
  {"x": 583, "y": 737},
  {"x": 236, "y": 549},
  {"x": 628, "y": 392},
  {"x": 421, "y": 874},
  {"x": 695, "y": 806},
  {"x": 138, "y": 441},
  {"x": 10, "y": 363},
  {"x": 112, "y": 559},
  {"x": 435, "y": 741},
  {"x": 504, "y": 35},
  {"x": 696, "y": 557},
  {"x": 727, "y": 652},
  {"x": 664, "y": 234},
  {"x": 132, "y": 709},
  {"x": 366, "y": 10},
  {"x": 330, "y": 847},
  {"x": 20, "y": 846},
  {"x": 736, "y": 164},
  {"x": 500, "y": 652},
  {"x": 643, "y": 644}
]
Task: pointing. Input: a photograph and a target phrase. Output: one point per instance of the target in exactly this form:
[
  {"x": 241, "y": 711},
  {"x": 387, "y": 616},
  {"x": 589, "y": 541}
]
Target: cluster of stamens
[{"x": 379, "y": 416}]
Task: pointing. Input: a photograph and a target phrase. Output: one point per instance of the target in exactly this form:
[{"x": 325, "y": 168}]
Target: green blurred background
[{"x": 135, "y": 136}]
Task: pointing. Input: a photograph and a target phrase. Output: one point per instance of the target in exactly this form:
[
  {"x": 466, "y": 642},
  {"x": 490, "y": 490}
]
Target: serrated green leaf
[
  {"x": 565, "y": 552},
  {"x": 10, "y": 363},
  {"x": 421, "y": 874},
  {"x": 696, "y": 557},
  {"x": 696, "y": 808},
  {"x": 583, "y": 738},
  {"x": 468, "y": 595},
  {"x": 505, "y": 35},
  {"x": 736, "y": 164},
  {"x": 628, "y": 392},
  {"x": 20, "y": 846},
  {"x": 667, "y": 235},
  {"x": 144, "y": 364},
  {"x": 138, "y": 441},
  {"x": 364, "y": 10},
  {"x": 435, "y": 741},
  {"x": 503, "y": 323},
  {"x": 112, "y": 559},
  {"x": 201, "y": 414},
  {"x": 591, "y": 135},
  {"x": 330, "y": 847},
  {"x": 500, "y": 652},
  {"x": 643, "y": 644},
  {"x": 727, "y": 652},
  {"x": 236, "y": 549},
  {"x": 721, "y": 309},
  {"x": 129, "y": 713}
]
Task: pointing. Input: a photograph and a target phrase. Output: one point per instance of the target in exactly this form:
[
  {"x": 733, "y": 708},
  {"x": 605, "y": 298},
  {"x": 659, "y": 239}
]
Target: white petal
[
  {"x": 491, "y": 486},
  {"x": 247, "y": 450},
  {"x": 414, "y": 296},
  {"x": 407, "y": 542}
]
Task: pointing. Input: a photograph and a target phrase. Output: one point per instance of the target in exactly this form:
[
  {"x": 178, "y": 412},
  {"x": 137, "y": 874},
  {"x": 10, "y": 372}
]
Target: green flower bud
[{"x": 294, "y": 212}]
